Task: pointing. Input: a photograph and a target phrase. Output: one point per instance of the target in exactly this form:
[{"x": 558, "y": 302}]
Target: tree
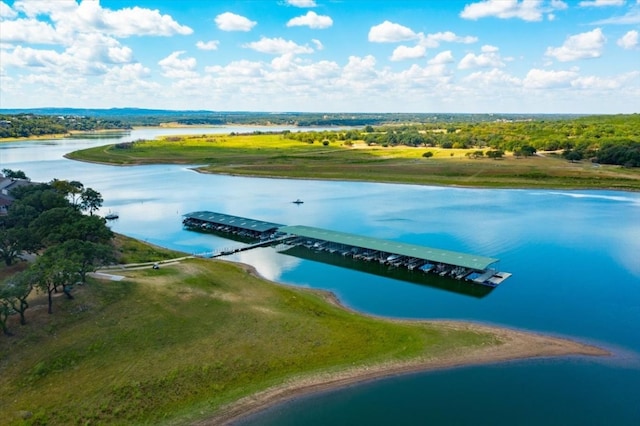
[
  {"x": 86, "y": 256},
  {"x": 90, "y": 200},
  {"x": 572, "y": 155},
  {"x": 495, "y": 153},
  {"x": 70, "y": 189},
  {"x": 15, "y": 290},
  {"x": 5, "y": 311},
  {"x": 14, "y": 174},
  {"x": 54, "y": 271},
  {"x": 13, "y": 241}
]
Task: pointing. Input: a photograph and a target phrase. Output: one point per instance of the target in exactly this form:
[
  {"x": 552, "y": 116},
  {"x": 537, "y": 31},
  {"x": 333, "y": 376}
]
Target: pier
[{"x": 445, "y": 263}]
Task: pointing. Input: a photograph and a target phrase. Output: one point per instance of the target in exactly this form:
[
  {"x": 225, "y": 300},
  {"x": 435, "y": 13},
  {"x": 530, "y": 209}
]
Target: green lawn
[{"x": 174, "y": 344}]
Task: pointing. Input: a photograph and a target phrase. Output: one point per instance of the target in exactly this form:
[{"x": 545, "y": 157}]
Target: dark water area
[{"x": 574, "y": 255}]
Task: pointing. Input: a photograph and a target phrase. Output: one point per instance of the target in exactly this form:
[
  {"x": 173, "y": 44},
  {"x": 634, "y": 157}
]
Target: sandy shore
[{"x": 515, "y": 345}]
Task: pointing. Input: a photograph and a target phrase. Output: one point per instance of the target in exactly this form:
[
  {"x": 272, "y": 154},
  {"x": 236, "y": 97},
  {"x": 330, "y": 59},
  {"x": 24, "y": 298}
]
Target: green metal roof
[
  {"x": 235, "y": 221},
  {"x": 465, "y": 260}
]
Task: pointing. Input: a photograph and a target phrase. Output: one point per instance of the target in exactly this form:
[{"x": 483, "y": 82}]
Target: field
[{"x": 270, "y": 155}]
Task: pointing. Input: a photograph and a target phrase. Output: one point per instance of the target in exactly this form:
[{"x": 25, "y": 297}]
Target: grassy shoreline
[
  {"x": 203, "y": 341},
  {"x": 276, "y": 157}
]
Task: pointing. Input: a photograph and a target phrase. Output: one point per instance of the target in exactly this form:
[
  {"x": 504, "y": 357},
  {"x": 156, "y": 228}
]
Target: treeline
[
  {"x": 602, "y": 139},
  {"x": 29, "y": 125},
  {"x": 53, "y": 222},
  {"x": 155, "y": 117}
]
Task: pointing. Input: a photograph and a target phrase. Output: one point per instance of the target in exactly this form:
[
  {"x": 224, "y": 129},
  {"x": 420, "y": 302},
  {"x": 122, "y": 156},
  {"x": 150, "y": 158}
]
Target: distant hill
[{"x": 154, "y": 117}]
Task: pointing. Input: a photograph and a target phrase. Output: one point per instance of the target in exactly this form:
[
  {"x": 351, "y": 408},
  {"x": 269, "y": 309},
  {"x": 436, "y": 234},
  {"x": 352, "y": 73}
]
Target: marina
[{"x": 444, "y": 263}]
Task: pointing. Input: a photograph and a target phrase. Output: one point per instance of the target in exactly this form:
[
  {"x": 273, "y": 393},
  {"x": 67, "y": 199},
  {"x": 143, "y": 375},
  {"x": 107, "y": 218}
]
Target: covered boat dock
[
  {"x": 211, "y": 221},
  {"x": 457, "y": 265},
  {"x": 462, "y": 266}
]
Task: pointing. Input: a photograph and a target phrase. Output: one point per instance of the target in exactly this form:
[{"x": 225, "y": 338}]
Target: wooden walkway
[{"x": 226, "y": 252}]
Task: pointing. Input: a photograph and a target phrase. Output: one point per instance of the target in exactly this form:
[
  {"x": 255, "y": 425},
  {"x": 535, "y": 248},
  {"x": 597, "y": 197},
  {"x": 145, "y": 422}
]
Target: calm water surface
[{"x": 575, "y": 256}]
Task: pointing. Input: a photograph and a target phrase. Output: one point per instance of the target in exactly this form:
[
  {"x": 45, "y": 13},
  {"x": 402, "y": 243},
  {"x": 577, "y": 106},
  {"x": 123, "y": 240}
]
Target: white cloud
[
  {"x": 277, "y": 46},
  {"x": 239, "y": 69},
  {"x": 175, "y": 67},
  {"x": 495, "y": 77},
  {"x": 6, "y": 12},
  {"x": 208, "y": 45},
  {"x": 599, "y": 83},
  {"x": 231, "y": 22},
  {"x": 318, "y": 44},
  {"x": 445, "y": 57},
  {"x": 632, "y": 17},
  {"x": 579, "y": 46},
  {"x": 311, "y": 20},
  {"x": 488, "y": 58},
  {"x": 30, "y": 31},
  {"x": 67, "y": 19},
  {"x": 127, "y": 22},
  {"x": 559, "y": 5},
  {"x": 434, "y": 40},
  {"x": 389, "y": 32},
  {"x": 528, "y": 10},
  {"x": 543, "y": 79},
  {"x": 630, "y": 40},
  {"x": 601, "y": 3},
  {"x": 302, "y": 3},
  {"x": 401, "y": 53}
]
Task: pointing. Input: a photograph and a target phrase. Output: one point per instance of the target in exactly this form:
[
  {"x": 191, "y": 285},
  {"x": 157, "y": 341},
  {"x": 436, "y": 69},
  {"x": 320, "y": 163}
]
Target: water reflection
[{"x": 394, "y": 273}]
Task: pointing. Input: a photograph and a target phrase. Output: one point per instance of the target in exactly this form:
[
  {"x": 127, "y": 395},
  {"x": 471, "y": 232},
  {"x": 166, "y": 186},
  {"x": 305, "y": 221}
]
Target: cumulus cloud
[
  {"x": 579, "y": 46},
  {"x": 389, "y": 32},
  {"x": 544, "y": 79},
  {"x": 404, "y": 52},
  {"x": 31, "y": 31},
  {"x": 129, "y": 21},
  {"x": 302, "y": 3},
  {"x": 528, "y": 10},
  {"x": 600, "y": 83},
  {"x": 277, "y": 46},
  {"x": 601, "y": 3},
  {"x": 630, "y": 40},
  {"x": 208, "y": 45},
  {"x": 490, "y": 57},
  {"x": 445, "y": 57},
  {"x": 495, "y": 77},
  {"x": 231, "y": 22},
  {"x": 175, "y": 67},
  {"x": 434, "y": 40},
  {"x": 311, "y": 20}
]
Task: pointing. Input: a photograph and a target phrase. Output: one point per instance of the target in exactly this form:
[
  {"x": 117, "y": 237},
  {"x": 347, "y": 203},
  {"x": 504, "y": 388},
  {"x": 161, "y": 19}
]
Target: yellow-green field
[{"x": 275, "y": 156}]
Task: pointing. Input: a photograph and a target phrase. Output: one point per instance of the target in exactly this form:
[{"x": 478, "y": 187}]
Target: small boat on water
[
  {"x": 298, "y": 201},
  {"x": 112, "y": 216}
]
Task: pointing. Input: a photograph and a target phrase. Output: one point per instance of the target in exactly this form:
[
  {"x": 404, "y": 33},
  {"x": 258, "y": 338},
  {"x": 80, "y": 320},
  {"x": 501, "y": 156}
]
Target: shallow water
[{"x": 574, "y": 255}]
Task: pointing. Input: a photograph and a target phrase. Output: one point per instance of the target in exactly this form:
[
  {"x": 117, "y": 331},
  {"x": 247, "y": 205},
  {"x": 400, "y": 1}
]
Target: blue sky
[{"x": 486, "y": 56}]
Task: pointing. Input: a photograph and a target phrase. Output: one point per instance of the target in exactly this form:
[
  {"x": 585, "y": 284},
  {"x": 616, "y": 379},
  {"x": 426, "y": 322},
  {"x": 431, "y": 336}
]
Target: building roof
[
  {"x": 465, "y": 260},
  {"x": 235, "y": 221}
]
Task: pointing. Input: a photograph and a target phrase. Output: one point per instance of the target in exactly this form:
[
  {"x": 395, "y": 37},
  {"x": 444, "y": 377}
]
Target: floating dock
[{"x": 461, "y": 266}]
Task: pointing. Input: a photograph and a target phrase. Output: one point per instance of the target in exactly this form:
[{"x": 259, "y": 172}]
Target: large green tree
[
  {"x": 55, "y": 272},
  {"x": 90, "y": 200},
  {"x": 16, "y": 289}
]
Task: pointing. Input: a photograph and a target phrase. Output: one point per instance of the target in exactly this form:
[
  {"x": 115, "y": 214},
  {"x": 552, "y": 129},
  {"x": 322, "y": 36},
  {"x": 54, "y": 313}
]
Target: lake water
[{"x": 574, "y": 255}]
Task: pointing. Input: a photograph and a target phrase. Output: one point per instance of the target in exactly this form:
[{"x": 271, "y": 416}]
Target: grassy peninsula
[
  {"x": 204, "y": 341},
  {"x": 278, "y": 155}
]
